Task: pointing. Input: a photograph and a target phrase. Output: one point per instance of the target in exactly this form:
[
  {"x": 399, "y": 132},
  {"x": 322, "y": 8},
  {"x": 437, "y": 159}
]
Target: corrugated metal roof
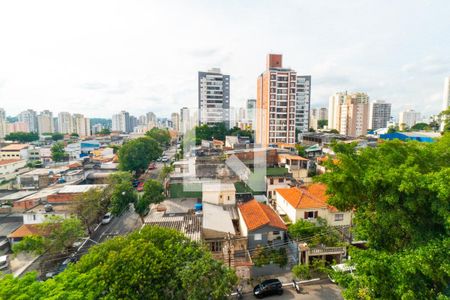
[
  {"x": 189, "y": 225},
  {"x": 82, "y": 188},
  {"x": 217, "y": 218}
]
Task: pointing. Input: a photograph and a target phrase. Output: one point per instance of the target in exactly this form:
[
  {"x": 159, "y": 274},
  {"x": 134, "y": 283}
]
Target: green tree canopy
[
  {"x": 136, "y": 155},
  {"x": 90, "y": 206},
  {"x": 56, "y": 136},
  {"x": 22, "y": 137},
  {"x": 58, "y": 235},
  {"x": 58, "y": 153},
  {"x": 322, "y": 123},
  {"x": 421, "y": 126},
  {"x": 105, "y": 131},
  {"x": 401, "y": 196},
  {"x": 445, "y": 117},
  {"x": 315, "y": 233},
  {"x": 153, "y": 194},
  {"x": 162, "y": 136},
  {"x": 153, "y": 263}
]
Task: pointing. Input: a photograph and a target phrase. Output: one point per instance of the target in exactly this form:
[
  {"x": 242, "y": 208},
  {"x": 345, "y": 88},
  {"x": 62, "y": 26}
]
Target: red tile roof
[
  {"x": 257, "y": 215},
  {"x": 313, "y": 196},
  {"x": 26, "y": 230},
  {"x": 15, "y": 147},
  {"x": 8, "y": 161}
]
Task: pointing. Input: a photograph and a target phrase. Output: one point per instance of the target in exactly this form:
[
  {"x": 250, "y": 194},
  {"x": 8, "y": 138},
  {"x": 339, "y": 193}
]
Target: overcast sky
[{"x": 100, "y": 57}]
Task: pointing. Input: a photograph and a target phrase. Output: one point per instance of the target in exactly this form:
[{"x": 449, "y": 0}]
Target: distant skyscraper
[
  {"x": 446, "y": 102},
  {"x": 30, "y": 117},
  {"x": 276, "y": 96},
  {"x": 121, "y": 122},
  {"x": 142, "y": 120},
  {"x": 185, "y": 120},
  {"x": 322, "y": 114},
  {"x": 65, "y": 124},
  {"x": 380, "y": 114},
  {"x": 251, "y": 110},
  {"x": 408, "y": 118},
  {"x": 348, "y": 113},
  {"x": 97, "y": 128},
  {"x": 214, "y": 97},
  {"x": 3, "y": 132},
  {"x": 175, "y": 117},
  {"x": 303, "y": 103},
  {"x": 133, "y": 123},
  {"x": 45, "y": 122},
  {"x": 81, "y": 125},
  {"x": 151, "y": 120}
]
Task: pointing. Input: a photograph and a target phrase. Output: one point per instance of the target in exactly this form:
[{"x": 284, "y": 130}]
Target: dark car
[{"x": 268, "y": 287}]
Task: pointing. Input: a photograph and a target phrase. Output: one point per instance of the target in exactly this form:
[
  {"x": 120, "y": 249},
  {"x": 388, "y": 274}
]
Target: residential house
[
  {"x": 219, "y": 193},
  {"x": 309, "y": 203},
  {"x": 9, "y": 167},
  {"x": 14, "y": 151},
  {"x": 260, "y": 224},
  {"x": 295, "y": 164}
]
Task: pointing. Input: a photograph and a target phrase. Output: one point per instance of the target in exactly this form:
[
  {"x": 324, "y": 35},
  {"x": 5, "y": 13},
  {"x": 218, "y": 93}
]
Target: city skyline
[{"x": 100, "y": 68}]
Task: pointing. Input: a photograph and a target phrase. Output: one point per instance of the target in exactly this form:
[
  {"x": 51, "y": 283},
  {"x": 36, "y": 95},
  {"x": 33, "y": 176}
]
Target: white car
[
  {"x": 4, "y": 262},
  {"x": 107, "y": 218}
]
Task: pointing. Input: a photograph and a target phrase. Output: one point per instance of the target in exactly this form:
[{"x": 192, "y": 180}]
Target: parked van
[{"x": 4, "y": 262}]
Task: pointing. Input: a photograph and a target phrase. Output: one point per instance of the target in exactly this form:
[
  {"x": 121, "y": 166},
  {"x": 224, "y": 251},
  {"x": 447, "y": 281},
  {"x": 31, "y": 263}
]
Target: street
[{"x": 322, "y": 291}]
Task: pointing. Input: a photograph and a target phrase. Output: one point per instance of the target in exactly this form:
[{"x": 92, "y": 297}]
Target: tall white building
[
  {"x": 151, "y": 120},
  {"x": 214, "y": 97},
  {"x": 45, "y": 122},
  {"x": 185, "y": 120},
  {"x": 65, "y": 124},
  {"x": 379, "y": 115},
  {"x": 348, "y": 113},
  {"x": 175, "y": 117},
  {"x": 121, "y": 122},
  {"x": 303, "y": 103},
  {"x": 446, "y": 102},
  {"x": 30, "y": 117},
  {"x": 408, "y": 118}
]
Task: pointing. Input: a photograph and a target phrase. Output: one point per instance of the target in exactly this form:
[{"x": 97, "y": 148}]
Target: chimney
[{"x": 274, "y": 61}]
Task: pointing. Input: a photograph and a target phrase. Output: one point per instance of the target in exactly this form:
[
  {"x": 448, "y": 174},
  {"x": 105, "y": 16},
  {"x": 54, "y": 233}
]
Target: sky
[{"x": 100, "y": 57}]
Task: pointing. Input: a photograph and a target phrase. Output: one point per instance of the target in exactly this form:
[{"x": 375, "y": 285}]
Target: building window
[
  {"x": 258, "y": 236},
  {"x": 339, "y": 217},
  {"x": 311, "y": 214}
]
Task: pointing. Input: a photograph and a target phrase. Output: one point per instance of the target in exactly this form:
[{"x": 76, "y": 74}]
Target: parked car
[
  {"x": 152, "y": 166},
  {"x": 140, "y": 187},
  {"x": 107, "y": 218},
  {"x": 4, "y": 262},
  {"x": 135, "y": 182},
  {"x": 268, "y": 287},
  {"x": 60, "y": 268}
]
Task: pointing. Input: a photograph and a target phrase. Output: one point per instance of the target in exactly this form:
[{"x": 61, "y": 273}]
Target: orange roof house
[
  {"x": 260, "y": 224},
  {"x": 309, "y": 203}
]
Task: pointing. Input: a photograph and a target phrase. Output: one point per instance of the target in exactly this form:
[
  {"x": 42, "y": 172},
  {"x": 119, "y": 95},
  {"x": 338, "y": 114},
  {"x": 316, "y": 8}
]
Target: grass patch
[
  {"x": 276, "y": 171},
  {"x": 178, "y": 190}
]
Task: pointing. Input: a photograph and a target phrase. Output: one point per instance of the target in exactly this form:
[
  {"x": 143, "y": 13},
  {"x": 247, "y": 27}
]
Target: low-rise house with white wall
[
  {"x": 310, "y": 203},
  {"x": 219, "y": 193}
]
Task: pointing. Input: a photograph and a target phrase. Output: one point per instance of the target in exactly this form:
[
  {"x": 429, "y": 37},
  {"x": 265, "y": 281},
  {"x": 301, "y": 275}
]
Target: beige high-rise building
[
  {"x": 65, "y": 123},
  {"x": 2, "y": 123},
  {"x": 348, "y": 113},
  {"x": 81, "y": 125},
  {"x": 408, "y": 118},
  {"x": 45, "y": 122},
  {"x": 175, "y": 118},
  {"x": 276, "y": 96}
]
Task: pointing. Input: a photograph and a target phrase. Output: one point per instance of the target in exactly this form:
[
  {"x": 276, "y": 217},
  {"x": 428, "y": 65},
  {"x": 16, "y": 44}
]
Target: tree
[
  {"x": 401, "y": 198},
  {"x": 236, "y": 131},
  {"x": 57, "y": 235},
  {"x": 335, "y": 131},
  {"x": 105, "y": 131},
  {"x": 136, "y": 155},
  {"x": 392, "y": 130},
  {"x": 421, "y": 126},
  {"x": 74, "y": 135},
  {"x": 153, "y": 194},
  {"x": 318, "y": 233},
  {"x": 162, "y": 136},
  {"x": 57, "y": 136},
  {"x": 322, "y": 123},
  {"x": 165, "y": 171},
  {"x": 90, "y": 206},
  {"x": 123, "y": 194},
  {"x": 300, "y": 150},
  {"x": 444, "y": 116},
  {"x": 58, "y": 153},
  {"x": 22, "y": 137},
  {"x": 152, "y": 263}
]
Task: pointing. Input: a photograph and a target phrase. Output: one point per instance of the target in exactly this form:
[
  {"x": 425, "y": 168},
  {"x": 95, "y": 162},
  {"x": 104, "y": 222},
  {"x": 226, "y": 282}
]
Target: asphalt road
[{"x": 322, "y": 291}]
